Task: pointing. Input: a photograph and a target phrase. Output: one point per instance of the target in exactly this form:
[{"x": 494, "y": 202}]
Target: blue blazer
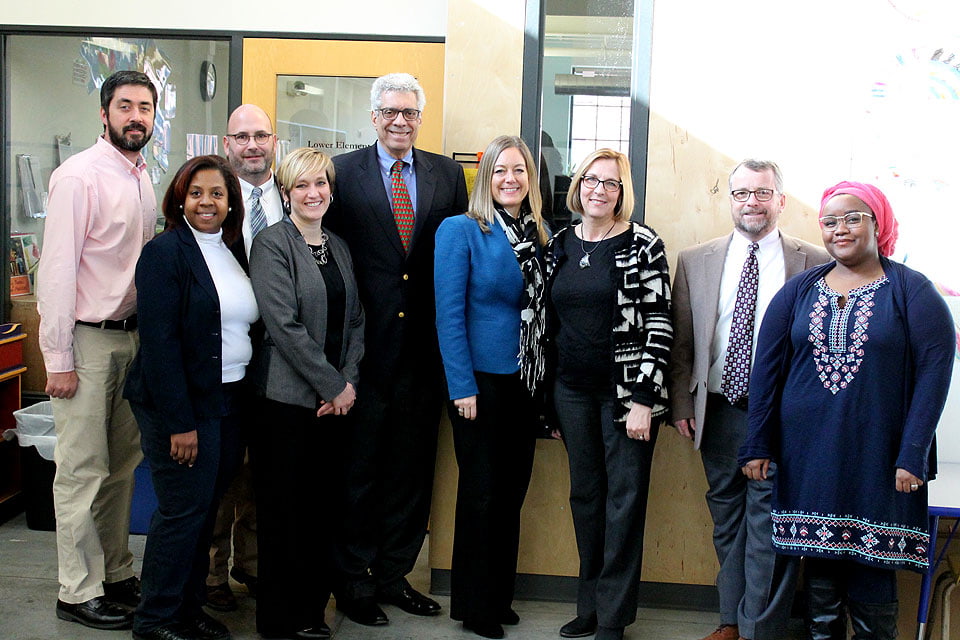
[
  {"x": 177, "y": 371},
  {"x": 478, "y": 291}
]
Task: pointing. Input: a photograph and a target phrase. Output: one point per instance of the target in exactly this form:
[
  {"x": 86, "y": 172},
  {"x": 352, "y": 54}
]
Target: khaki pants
[
  {"x": 98, "y": 448},
  {"x": 237, "y": 516}
]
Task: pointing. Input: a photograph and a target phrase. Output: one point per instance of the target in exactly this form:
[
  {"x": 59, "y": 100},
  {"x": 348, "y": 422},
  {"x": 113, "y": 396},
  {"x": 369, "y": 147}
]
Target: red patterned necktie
[
  {"x": 402, "y": 207},
  {"x": 736, "y": 368}
]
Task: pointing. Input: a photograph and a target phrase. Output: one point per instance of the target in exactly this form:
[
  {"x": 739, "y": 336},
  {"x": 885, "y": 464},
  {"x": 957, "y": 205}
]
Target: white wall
[
  {"x": 380, "y": 17},
  {"x": 857, "y": 89}
]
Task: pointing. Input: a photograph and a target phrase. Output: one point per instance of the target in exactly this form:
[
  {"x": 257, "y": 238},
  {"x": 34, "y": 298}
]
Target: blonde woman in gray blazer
[{"x": 308, "y": 372}]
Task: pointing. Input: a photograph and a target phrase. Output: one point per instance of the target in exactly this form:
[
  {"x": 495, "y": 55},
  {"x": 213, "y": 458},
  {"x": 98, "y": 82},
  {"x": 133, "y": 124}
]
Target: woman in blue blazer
[
  {"x": 186, "y": 387},
  {"x": 489, "y": 295}
]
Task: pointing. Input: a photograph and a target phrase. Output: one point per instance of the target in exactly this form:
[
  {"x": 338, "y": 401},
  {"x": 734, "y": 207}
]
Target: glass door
[{"x": 317, "y": 92}]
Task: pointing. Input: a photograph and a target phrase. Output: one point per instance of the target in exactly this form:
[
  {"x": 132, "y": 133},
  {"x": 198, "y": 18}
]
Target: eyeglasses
[
  {"x": 762, "y": 195},
  {"x": 260, "y": 137},
  {"x": 391, "y": 114},
  {"x": 852, "y": 220},
  {"x": 591, "y": 182}
]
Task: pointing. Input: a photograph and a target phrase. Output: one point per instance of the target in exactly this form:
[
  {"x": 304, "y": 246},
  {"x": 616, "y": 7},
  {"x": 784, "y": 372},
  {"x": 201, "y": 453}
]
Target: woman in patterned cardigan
[{"x": 609, "y": 311}]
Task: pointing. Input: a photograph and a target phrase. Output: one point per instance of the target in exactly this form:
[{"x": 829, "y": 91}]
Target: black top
[
  {"x": 336, "y": 308},
  {"x": 585, "y": 300}
]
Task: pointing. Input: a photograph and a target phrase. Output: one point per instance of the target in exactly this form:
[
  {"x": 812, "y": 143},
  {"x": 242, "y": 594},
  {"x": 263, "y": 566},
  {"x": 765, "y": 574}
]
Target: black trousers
[
  {"x": 291, "y": 477},
  {"x": 854, "y": 581},
  {"x": 495, "y": 458},
  {"x": 176, "y": 556},
  {"x": 609, "y": 481},
  {"x": 388, "y": 456}
]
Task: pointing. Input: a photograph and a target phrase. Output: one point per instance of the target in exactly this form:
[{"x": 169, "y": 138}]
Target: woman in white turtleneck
[{"x": 195, "y": 307}]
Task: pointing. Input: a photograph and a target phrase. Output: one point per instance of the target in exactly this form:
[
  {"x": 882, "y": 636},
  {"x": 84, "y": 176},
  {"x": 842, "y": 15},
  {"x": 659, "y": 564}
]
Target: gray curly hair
[{"x": 403, "y": 82}]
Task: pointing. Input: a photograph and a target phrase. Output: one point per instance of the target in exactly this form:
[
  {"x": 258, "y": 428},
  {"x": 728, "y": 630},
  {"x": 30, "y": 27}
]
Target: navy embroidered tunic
[{"x": 841, "y": 397}]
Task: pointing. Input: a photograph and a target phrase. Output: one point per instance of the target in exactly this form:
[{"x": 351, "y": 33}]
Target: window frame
[{"x": 531, "y": 110}]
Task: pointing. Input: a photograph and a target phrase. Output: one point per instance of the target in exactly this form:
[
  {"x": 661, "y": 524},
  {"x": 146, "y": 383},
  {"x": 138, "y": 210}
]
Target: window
[
  {"x": 588, "y": 88},
  {"x": 54, "y": 101}
]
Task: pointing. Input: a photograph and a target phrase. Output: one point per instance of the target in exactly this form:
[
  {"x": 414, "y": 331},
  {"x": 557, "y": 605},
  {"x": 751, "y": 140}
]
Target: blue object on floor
[{"x": 144, "y": 500}]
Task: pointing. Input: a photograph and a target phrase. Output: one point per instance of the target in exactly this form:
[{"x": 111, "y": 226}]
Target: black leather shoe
[
  {"x": 244, "y": 578},
  {"x": 484, "y": 629},
  {"x": 579, "y": 627},
  {"x": 364, "y": 611},
  {"x": 98, "y": 613},
  {"x": 170, "y": 632},
  {"x": 205, "y": 627},
  {"x": 411, "y": 601},
  {"x": 318, "y": 632},
  {"x": 220, "y": 597},
  {"x": 508, "y": 617},
  {"x": 125, "y": 592}
]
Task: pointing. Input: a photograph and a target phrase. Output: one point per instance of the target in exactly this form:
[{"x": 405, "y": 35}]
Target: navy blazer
[
  {"x": 479, "y": 294},
  {"x": 178, "y": 370},
  {"x": 396, "y": 288}
]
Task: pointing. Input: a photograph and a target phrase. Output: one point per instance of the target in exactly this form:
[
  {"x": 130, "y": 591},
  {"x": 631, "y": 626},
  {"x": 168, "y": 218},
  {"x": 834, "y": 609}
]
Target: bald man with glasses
[{"x": 249, "y": 146}]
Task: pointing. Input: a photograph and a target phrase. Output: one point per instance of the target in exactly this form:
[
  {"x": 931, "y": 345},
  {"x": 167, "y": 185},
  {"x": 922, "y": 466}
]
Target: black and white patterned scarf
[{"x": 523, "y": 237}]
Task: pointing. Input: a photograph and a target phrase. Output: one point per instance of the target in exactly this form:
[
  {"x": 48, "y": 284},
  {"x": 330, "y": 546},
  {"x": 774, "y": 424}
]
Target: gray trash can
[{"x": 37, "y": 437}]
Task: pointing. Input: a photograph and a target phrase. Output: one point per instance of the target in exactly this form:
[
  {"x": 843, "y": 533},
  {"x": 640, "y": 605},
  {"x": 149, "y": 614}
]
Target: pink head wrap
[{"x": 883, "y": 213}]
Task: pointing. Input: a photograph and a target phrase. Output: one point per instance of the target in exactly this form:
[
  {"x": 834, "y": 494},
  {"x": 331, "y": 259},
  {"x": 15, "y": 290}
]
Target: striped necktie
[
  {"x": 258, "y": 219},
  {"x": 736, "y": 367},
  {"x": 402, "y": 207}
]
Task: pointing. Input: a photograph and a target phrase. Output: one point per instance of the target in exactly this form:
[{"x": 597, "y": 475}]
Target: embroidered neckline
[{"x": 838, "y": 355}]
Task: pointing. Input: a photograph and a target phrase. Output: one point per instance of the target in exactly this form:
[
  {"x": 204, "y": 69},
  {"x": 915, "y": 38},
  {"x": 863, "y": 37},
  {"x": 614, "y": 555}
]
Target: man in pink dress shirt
[{"x": 101, "y": 211}]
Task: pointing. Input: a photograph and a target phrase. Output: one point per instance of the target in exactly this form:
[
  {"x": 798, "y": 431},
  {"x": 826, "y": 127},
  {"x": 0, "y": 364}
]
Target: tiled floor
[{"x": 28, "y": 592}]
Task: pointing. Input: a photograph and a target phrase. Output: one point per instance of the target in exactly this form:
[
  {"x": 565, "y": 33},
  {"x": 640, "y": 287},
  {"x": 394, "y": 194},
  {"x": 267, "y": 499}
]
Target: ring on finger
[{"x": 914, "y": 486}]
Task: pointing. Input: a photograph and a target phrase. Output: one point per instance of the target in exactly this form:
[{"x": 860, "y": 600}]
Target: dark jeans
[
  {"x": 495, "y": 458},
  {"x": 292, "y": 463},
  {"x": 609, "y": 481},
  {"x": 176, "y": 555}
]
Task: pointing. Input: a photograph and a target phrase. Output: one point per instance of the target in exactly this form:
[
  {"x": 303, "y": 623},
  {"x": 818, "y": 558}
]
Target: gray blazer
[
  {"x": 696, "y": 297},
  {"x": 292, "y": 297}
]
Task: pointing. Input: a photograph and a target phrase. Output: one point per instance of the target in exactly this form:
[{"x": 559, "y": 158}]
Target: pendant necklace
[
  {"x": 585, "y": 260},
  {"x": 320, "y": 251}
]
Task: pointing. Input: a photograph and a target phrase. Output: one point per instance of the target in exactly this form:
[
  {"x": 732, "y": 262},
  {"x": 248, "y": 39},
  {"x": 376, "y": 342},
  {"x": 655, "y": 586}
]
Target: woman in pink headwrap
[{"x": 851, "y": 374}]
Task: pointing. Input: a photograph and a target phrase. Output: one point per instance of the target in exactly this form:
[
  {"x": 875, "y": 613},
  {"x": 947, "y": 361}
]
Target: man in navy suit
[{"x": 389, "y": 200}]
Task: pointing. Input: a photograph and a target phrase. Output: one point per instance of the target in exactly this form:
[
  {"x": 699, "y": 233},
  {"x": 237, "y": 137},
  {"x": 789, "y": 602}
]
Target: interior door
[{"x": 269, "y": 63}]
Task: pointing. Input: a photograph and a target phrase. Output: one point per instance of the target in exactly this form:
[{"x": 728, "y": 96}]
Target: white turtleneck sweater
[{"x": 238, "y": 307}]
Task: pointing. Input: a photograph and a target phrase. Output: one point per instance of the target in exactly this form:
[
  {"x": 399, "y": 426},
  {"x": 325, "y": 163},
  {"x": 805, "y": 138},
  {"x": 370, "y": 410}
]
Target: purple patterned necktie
[
  {"x": 402, "y": 207},
  {"x": 736, "y": 367}
]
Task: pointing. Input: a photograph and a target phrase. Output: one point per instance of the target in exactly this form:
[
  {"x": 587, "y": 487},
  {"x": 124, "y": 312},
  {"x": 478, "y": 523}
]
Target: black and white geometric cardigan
[{"x": 642, "y": 328}]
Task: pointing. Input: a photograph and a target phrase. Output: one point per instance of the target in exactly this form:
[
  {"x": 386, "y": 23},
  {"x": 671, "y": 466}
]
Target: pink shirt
[{"x": 101, "y": 211}]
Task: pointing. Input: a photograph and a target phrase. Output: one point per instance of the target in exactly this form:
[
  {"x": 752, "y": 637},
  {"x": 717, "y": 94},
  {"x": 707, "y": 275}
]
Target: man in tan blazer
[{"x": 755, "y": 586}]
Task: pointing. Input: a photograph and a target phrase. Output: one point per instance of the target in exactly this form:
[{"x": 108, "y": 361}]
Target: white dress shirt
[
  {"x": 772, "y": 276},
  {"x": 270, "y": 201}
]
